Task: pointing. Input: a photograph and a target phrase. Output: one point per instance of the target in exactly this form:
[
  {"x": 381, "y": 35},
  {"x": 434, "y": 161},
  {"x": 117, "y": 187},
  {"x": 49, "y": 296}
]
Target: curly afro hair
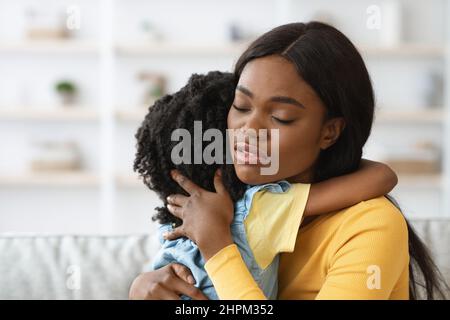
[{"x": 206, "y": 98}]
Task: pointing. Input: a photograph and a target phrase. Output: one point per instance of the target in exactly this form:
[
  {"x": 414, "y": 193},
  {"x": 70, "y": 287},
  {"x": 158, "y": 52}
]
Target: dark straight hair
[{"x": 328, "y": 61}]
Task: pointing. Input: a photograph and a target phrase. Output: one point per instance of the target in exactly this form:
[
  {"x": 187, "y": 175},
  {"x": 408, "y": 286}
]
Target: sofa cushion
[
  {"x": 103, "y": 267},
  {"x": 71, "y": 267}
]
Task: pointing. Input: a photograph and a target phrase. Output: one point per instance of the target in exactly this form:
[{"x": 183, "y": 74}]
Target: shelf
[
  {"x": 49, "y": 46},
  {"x": 432, "y": 115},
  {"x": 73, "y": 46},
  {"x": 129, "y": 181},
  {"x": 72, "y": 113},
  {"x": 420, "y": 181},
  {"x": 134, "y": 115},
  {"x": 407, "y": 49},
  {"x": 166, "y": 48},
  {"x": 51, "y": 179},
  {"x": 65, "y": 179}
]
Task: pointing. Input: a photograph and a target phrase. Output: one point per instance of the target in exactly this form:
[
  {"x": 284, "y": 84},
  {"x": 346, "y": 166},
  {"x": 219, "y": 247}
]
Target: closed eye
[
  {"x": 282, "y": 121},
  {"x": 240, "y": 109}
]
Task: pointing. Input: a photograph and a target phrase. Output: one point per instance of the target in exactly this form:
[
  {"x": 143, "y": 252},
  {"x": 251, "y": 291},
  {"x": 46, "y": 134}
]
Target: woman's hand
[
  {"x": 206, "y": 215},
  {"x": 167, "y": 283}
]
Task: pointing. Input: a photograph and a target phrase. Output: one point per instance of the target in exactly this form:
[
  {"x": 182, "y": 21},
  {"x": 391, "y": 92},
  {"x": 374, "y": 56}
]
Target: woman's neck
[{"x": 303, "y": 177}]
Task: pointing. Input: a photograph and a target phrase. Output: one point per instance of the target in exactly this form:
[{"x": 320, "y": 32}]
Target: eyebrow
[{"x": 282, "y": 99}]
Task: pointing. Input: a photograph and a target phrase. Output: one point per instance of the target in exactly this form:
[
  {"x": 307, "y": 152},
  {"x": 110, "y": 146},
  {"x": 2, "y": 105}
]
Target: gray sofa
[{"x": 103, "y": 267}]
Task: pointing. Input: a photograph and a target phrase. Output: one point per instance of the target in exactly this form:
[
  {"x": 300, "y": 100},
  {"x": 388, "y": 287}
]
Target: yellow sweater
[{"x": 357, "y": 253}]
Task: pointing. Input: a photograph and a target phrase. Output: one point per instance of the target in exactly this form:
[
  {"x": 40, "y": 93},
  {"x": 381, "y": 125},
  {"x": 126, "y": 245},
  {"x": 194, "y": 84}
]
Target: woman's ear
[{"x": 331, "y": 131}]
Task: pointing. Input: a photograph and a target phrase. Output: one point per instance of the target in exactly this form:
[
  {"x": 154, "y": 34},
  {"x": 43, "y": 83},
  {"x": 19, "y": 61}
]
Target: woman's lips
[{"x": 248, "y": 154}]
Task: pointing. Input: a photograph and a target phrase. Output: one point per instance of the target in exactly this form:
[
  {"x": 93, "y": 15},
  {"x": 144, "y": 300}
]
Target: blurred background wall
[{"x": 76, "y": 76}]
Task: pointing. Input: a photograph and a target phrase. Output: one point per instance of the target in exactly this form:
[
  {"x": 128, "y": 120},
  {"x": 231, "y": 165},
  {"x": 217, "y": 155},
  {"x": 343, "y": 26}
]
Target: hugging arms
[
  {"x": 203, "y": 97},
  {"x": 207, "y": 217}
]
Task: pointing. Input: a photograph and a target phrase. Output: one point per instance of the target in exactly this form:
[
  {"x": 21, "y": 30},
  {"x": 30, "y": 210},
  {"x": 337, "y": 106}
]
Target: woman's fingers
[
  {"x": 185, "y": 183},
  {"x": 163, "y": 294},
  {"x": 182, "y": 287},
  {"x": 177, "y": 199},
  {"x": 183, "y": 272},
  {"x": 166, "y": 283},
  {"x": 175, "y": 234},
  {"x": 186, "y": 285},
  {"x": 152, "y": 285}
]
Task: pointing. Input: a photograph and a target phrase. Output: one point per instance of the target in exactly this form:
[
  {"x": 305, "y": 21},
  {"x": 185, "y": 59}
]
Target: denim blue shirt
[{"x": 186, "y": 252}]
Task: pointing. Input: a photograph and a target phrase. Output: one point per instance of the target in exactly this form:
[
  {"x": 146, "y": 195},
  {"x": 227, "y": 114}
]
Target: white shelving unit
[
  {"x": 430, "y": 115},
  {"x": 405, "y": 50},
  {"x": 63, "y": 179},
  {"x": 53, "y": 47},
  {"x": 167, "y": 48},
  {"x": 74, "y": 113},
  {"x": 110, "y": 119},
  {"x": 174, "y": 49}
]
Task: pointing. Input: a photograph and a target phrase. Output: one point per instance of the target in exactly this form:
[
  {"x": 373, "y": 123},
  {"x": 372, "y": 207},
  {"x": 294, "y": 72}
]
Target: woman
[{"x": 312, "y": 78}]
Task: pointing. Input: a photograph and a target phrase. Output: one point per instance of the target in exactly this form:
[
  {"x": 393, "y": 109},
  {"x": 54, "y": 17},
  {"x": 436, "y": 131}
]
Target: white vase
[{"x": 67, "y": 99}]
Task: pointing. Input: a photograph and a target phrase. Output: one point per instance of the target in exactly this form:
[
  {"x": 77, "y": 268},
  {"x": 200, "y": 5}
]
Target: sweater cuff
[{"x": 230, "y": 276}]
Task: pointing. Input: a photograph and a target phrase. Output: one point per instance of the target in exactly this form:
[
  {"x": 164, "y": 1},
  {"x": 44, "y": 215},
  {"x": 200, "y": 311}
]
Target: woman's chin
[{"x": 251, "y": 174}]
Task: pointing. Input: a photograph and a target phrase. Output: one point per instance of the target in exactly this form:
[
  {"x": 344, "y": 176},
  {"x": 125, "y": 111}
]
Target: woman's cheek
[
  {"x": 230, "y": 123},
  {"x": 298, "y": 150},
  {"x": 235, "y": 120}
]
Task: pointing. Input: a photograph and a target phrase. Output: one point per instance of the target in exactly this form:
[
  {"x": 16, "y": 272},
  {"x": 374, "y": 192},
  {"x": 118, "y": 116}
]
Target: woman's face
[{"x": 271, "y": 95}]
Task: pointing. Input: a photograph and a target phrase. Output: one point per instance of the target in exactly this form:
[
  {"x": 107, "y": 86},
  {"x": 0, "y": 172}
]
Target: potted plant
[{"x": 67, "y": 90}]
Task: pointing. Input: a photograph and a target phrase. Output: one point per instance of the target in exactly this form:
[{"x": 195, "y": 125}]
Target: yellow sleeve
[
  {"x": 230, "y": 276},
  {"x": 274, "y": 220},
  {"x": 369, "y": 258}
]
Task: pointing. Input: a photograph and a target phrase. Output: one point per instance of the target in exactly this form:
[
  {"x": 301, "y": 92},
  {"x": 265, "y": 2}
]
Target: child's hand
[{"x": 206, "y": 215}]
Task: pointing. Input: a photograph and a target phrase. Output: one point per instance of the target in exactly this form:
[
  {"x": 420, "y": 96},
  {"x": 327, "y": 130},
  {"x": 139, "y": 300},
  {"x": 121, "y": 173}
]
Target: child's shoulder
[
  {"x": 281, "y": 186},
  {"x": 270, "y": 192}
]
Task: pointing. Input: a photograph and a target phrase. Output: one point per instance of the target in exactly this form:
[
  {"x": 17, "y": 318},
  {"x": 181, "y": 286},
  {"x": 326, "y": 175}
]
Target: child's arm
[{"x": 373, "y": 179}]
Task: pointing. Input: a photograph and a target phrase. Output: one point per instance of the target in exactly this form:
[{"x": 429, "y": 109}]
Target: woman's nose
[
  {"x": 255, "y": 130},
  {"x": 254, "y": 122}
]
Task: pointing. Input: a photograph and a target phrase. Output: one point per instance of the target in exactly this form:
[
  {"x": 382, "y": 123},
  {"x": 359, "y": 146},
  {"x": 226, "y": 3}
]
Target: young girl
[{"x": 266, "y": 216}]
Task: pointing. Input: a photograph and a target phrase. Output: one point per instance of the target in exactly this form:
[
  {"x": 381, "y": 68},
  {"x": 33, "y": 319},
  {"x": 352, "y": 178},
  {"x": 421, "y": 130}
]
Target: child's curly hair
[{"x": 206, "y": 98}]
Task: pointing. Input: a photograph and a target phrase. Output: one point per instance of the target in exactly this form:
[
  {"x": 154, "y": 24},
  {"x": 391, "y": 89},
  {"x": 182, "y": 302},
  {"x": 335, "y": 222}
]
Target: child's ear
[{"x": 331, "y": 131}]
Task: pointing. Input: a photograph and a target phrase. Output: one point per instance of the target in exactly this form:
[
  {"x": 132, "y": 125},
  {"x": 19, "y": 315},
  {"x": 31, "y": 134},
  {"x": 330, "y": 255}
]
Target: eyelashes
[
  {"x": 245, "y": 109},
  {"x": 240, "y": 109},
  {"x": 282, "y": 121}
]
